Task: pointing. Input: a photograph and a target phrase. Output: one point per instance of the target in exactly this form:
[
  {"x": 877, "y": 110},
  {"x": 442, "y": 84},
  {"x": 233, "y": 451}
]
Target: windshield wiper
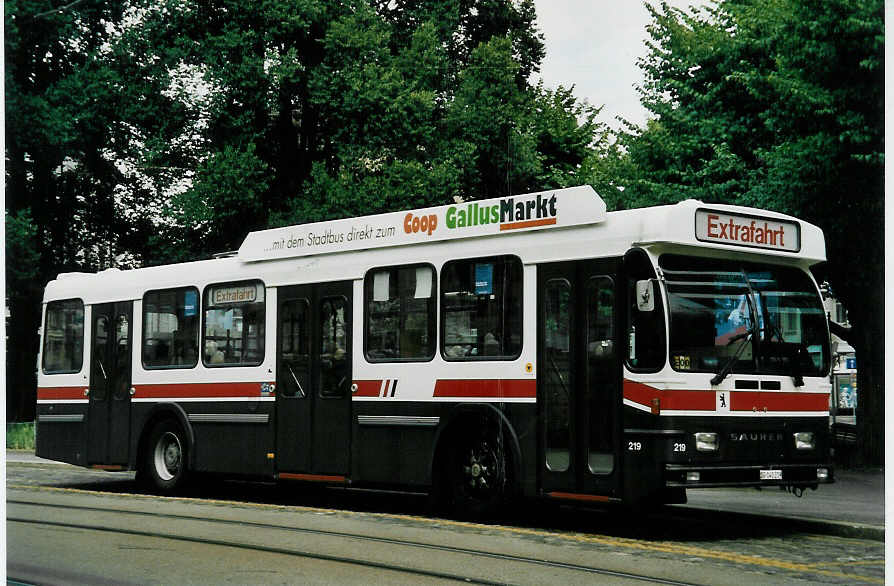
[
  {"x": 722, "y": 374},
  {"x": 747, "y": 335}
]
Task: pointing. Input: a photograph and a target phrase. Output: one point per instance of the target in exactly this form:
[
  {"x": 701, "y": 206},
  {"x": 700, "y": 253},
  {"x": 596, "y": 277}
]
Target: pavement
[{"x": 853, "y": 506}]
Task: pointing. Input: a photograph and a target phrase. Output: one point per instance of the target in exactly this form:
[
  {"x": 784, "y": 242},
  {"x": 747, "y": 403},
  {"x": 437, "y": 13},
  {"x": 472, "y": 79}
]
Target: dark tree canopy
[
  {"x": 778, "y": 104},
  {"x": 148, "y": 132}
]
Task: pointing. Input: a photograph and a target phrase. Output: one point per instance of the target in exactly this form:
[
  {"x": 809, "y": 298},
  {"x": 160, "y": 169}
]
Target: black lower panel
[
  {"x": 62, "y": 442},
  {"x": 395, "y": 442}
]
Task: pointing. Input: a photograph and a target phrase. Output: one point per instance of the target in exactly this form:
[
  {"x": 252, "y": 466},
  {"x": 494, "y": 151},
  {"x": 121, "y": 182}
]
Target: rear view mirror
[{"x": 645, "y": 295}]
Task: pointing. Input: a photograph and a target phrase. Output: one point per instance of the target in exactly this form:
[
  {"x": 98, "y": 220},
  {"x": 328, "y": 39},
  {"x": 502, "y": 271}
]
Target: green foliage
[
  {"x": 20, "y": 436},
  {"x": 775, "y": 104},
  {"x": 227, "y": 189},
  {"x": 155, "y": 131},
  {"x": 22, "y": 255}
]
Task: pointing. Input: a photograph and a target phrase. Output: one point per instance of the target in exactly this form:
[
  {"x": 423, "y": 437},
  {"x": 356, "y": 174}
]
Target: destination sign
[
  {"x": 559, "y": 208},
  {"x": 752, "y": 231},
  {"x": 237, "y": 294}
]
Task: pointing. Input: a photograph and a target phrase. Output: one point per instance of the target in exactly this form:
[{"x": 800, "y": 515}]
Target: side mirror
[{"x": 645, "y": 295}]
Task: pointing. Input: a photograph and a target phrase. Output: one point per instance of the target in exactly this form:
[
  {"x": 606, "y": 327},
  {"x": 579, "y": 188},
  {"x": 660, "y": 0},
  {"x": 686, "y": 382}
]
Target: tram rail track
[{"x": 305, "y": 553}]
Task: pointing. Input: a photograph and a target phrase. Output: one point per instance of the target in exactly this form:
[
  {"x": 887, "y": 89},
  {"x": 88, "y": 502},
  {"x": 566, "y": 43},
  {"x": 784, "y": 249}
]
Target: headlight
[
  {"x": 804, "y": 440},
  {"x": 706, "y": 442}
]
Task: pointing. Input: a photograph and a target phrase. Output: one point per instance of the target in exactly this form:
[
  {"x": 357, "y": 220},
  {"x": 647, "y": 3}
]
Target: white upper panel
[
  {"x": 550, "y": 226},
  {"x": 560, "y": 208}
]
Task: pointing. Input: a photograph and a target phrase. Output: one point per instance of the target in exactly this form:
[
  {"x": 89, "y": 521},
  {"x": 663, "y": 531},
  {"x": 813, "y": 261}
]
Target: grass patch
[{"x": 20, "y": 436}]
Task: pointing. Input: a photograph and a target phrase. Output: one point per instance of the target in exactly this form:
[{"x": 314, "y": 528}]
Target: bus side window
[
  {"x": 481, "y": 308},
  {"x": 400, "y": 313},
  {"x": 171, "y": 328},
  {"x": 234, "y": 324},
  {"x": 63, "y": 337}
]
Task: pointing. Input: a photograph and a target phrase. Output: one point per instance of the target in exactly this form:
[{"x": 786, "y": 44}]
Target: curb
[{"x": 805, "y": 524}]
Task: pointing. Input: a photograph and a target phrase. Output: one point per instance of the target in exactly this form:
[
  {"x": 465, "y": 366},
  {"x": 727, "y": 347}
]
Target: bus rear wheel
[
  {"x": 164, "y": 463},
  {"x": 477, "y": 474}
]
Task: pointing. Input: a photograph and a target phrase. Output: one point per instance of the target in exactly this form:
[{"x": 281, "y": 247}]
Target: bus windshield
[{"x": 736, "y": 317}]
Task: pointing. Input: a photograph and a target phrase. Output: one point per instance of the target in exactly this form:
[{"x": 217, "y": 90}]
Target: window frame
[
  {"x": 262, "y": 321},
  {"x": 521, "y": 306},
  {"x": 318, "y": 352},
  {"x": 432, "y": 325},
  {"x": 44, "y": 331},
  {"x": 628, "y": 315},
  {"x": 199, "y": 328},
  {"x": 780, "y": 271},
  {"x": 301, "y": 393}
]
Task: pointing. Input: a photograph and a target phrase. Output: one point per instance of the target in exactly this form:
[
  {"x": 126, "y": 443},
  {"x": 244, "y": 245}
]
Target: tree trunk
[
  {"x": 870, "y": 349},
  {"x": 21, "y": 356}
]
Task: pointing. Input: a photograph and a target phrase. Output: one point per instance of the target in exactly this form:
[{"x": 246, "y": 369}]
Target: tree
[
  {"x": 155, "y": 131},
  {"x": 778, "y": 104},
  {"x": 64, "y": 208}
]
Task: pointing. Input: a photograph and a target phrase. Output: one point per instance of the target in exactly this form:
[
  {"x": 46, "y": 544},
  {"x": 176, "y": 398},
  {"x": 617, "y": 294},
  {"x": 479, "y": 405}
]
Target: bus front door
[
  {"x": 313, "y": 382},
  {"x": 579, "y": 377},
  {"x": 108, "y": 416}
]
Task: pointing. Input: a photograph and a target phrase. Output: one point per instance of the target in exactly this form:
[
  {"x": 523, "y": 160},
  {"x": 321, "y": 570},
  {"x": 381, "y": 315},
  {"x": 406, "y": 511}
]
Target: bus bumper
[{"x": 707, "y": 476}]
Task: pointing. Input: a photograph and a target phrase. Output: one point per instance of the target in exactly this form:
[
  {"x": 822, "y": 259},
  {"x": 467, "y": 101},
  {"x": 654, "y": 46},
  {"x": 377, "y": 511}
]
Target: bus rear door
[{"x": 108, "y": 418}]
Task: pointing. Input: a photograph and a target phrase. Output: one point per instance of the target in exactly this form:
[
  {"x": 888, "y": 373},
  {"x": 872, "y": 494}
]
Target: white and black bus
[{"x": 532, "y": 345}]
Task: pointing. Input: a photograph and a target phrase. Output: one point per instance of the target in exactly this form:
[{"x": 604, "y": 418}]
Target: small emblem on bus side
[{"x": 723, "y": 401}]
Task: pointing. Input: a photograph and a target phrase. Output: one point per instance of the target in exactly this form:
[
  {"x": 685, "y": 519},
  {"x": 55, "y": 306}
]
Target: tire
[
  {"x": 164, "y": 463},
  {"x": 477, "y": 473}
]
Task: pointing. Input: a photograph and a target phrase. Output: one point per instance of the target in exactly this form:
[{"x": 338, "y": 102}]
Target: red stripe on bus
[
  {"x": 684, "y": 400},
  {"x": 311, "y": 477},
  {"x": 198, "y": 390},
  {"x": 367, "y": 388},
  {"x": 387, "y": 386},
  {"x": 776, "y": 401},
  {"x": 573, "y": 496},
  {"x": 675, "y": 400},
  {"x": 60, "y": 393},
  {"x": 487, "y": 388}
]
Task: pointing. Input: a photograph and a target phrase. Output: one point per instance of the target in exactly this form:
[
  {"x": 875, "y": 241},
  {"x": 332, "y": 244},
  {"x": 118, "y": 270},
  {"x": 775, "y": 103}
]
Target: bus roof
[{"x": 542, "y": 227}]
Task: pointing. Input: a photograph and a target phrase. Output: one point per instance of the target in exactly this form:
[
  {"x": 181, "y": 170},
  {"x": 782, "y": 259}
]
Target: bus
[{"x": 532, "y": 345}]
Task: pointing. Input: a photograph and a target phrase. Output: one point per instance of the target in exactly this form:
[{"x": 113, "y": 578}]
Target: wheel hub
[{"x": 168, "y": 456}]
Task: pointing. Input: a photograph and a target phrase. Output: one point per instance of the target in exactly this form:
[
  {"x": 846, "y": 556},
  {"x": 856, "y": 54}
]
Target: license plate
[{"x": 771, "y": 474}]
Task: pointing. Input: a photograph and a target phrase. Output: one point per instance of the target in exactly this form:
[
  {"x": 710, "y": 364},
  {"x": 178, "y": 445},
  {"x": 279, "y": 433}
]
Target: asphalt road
[
  {"x": 857, "y": 498},
  {"x": 71, "y": 525}
]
